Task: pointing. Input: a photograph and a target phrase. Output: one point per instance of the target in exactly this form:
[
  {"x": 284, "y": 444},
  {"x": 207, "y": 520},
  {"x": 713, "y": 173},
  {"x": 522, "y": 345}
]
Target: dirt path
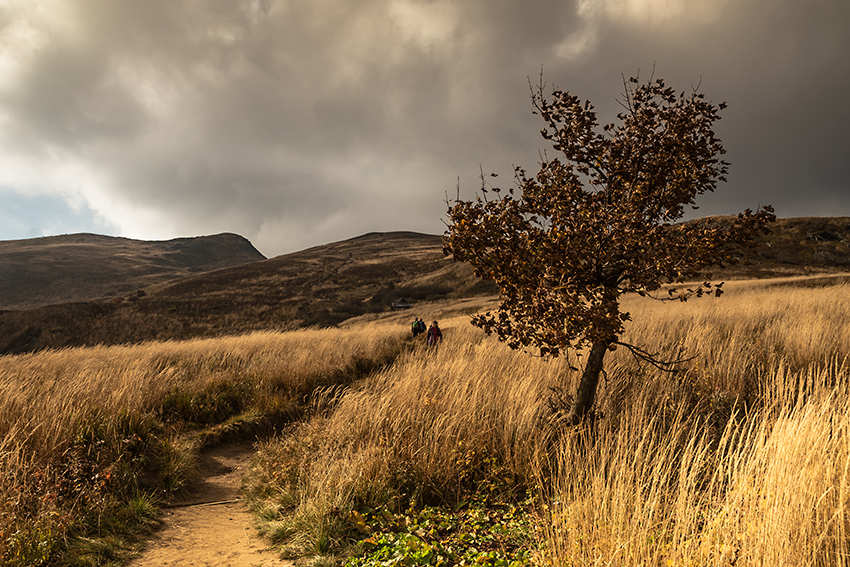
[{"x": 212, "y": 527}]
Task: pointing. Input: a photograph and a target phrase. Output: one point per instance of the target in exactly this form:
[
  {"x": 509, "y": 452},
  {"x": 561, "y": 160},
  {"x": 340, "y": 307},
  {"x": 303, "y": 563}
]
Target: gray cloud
[{"x": 298, "y": 123}]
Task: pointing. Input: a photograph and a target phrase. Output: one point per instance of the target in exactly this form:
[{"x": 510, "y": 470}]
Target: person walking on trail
[
  {"x": 417, "y": 327},
  {"x": 435, "y": 335}
]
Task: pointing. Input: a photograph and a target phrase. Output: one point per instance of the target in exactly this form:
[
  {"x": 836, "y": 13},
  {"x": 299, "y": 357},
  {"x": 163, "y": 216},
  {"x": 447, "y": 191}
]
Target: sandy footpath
[{"x": 212, "y": 526}]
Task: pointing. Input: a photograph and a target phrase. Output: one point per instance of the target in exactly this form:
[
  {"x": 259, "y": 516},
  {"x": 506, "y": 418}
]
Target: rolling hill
[
  {"x": 801, "y": 245},
  {"x": 328, "y": 284},
  {"x": 89, "y": 267},
  {"x": 319, "y": 286}
]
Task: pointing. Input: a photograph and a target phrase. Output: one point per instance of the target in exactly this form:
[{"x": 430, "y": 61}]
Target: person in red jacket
[{"x": 435, "y": 335}]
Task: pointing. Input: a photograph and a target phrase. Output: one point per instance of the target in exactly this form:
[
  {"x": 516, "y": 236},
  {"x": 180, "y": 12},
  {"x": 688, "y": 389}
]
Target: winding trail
[{"x": 211, "y": 527}]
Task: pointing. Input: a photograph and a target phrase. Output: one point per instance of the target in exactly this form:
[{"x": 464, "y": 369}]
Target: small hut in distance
[{"x": 401, "y": 304}]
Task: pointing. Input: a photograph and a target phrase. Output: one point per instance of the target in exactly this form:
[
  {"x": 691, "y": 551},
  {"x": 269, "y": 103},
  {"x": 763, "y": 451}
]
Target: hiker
[
  {"x": 435, "y": 335},
  {"x": 422, "y": 327},
  {"x": 416, "y": 327}
]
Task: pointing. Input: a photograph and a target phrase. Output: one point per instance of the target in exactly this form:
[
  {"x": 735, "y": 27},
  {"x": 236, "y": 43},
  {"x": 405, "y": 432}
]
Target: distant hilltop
[
  {"x": 796, "y": 246},
  {"x": 91, "y": 267}
]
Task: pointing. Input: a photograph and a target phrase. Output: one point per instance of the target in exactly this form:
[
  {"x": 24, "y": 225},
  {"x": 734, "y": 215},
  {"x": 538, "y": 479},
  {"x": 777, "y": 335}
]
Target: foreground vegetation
[
  {"x": 456, "y": 455},
  {"x": 742, "y": 458},
  {"x": 92, "y": 440}
]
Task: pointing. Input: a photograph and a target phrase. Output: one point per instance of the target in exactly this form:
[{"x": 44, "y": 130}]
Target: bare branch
[{"x": 643, "y": 355}]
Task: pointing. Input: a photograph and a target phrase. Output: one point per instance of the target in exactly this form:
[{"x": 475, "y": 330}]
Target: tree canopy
[{"x": 599, "y": 221}]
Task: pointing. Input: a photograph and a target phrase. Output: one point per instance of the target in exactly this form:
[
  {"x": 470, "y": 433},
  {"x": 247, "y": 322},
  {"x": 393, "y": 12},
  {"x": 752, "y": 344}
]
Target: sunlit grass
[
  {"x": 738, "y": 458},
  {"x": 742, "y": 457},
  {"x": 82, "y": 429}
]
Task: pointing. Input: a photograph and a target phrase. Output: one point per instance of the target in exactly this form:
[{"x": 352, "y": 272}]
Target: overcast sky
[{"x": 302, "y": 122}]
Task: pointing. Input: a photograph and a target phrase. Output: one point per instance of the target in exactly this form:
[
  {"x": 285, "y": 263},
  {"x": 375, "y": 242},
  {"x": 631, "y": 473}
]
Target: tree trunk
[{"x": 586, "y": 394}]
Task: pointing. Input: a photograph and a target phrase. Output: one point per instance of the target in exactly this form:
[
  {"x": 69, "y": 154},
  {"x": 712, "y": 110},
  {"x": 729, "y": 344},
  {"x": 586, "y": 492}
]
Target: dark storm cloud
[
  {"x": 779, "y": 67},
  {"x": 296, "y": 123}
]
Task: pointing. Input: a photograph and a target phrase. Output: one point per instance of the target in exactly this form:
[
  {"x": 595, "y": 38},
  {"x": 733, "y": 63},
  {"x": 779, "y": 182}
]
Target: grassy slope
[
  {"x": 89, "y": 267},
  {"x": 797, "y": 246},
  {"x": 741, "y": 459},
  {"x": 92, "y": 439},
  {"x": 321, "y": 286}
]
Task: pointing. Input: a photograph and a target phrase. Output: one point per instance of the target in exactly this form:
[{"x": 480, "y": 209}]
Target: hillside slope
[
  {"x": 90, "y": 267},
  {"x": 319, "y": 286},
  {"x": 803, "y": 245},
  {"x": 328, "y": 284}
]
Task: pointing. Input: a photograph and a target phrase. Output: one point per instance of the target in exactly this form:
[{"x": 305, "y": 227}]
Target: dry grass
[
  {"x": 742, "y": 461},
  {"x": 45, "y": 393},
  {"x": 79, "y": 426},
  {"x": 771, "y": 489},
  {"x": 739, "y": 459}
]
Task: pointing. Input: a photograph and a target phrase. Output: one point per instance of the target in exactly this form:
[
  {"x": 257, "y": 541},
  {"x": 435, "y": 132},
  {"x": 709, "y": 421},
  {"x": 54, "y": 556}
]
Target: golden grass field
[
  {"x": 742, "y": 458},
  {"x": 80, "y": 428}
]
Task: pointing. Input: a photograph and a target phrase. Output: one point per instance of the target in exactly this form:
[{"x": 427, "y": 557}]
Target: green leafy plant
[{"x": 477, "y": 532}]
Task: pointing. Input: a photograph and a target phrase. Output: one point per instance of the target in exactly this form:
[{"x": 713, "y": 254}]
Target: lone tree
[{"x": 600, "y": 221}]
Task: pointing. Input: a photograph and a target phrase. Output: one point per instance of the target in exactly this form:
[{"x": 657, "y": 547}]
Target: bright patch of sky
[{"x": 33, "y": 216}]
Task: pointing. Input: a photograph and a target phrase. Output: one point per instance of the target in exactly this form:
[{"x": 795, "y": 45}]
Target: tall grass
[
  {"x": 83, "y": 431},
  {"x": 428, "y": 429},
  {"x": 771, "y": 489},
  {"x": 739, "y": 458}
]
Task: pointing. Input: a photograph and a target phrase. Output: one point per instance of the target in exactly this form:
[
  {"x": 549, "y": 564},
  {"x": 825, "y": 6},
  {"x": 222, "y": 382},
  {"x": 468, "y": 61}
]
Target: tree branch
[{"x": 651, "y": 358}]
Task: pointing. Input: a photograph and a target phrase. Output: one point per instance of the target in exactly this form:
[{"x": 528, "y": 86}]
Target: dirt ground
[{"x": 211, "y": 526}]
